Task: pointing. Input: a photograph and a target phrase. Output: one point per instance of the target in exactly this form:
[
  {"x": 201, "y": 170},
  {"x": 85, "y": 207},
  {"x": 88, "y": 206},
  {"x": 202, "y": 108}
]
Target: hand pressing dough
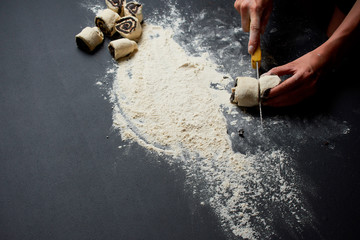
[
  {"x": 122, "y": 47},
  {"x": 116, "y": 6},
  {"x": 105, "y": 20},
  {"x": 89, "y": 38},
  {"x": 134, "y": 9},
  {"x": 267, "y": 82},
  {"x": 129, "y": 27},
  {"x": 246, "y": 93}
]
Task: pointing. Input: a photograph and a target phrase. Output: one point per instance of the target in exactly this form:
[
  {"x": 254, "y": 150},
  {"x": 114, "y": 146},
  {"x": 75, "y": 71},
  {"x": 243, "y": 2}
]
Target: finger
[
  {"x": 285, "y": 87},
  {"x": 245, "y": 18},
  {"x": 237, "y": 5},
  {"x": 265, "y": 20},
  {"x": 255, "y": 31},
  {"x": 291, "y": 98},
  {"x": 281, "y": 70}
]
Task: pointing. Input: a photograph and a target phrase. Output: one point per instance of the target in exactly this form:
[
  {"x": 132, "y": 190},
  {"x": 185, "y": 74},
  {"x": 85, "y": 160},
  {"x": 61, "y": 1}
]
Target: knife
[{"x": 255, "y": 63}]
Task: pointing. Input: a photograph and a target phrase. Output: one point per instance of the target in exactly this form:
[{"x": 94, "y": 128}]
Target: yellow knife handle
[{"x": 256, "y": 57}]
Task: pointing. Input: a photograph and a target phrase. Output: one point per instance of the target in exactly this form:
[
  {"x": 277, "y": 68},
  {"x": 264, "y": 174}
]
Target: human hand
[
  {"x": 305, "y": 72},
  {"x": 254, "y": 17}
]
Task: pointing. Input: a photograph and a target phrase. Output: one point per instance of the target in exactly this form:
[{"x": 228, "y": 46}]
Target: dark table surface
[{"x": 62, "y": 175}]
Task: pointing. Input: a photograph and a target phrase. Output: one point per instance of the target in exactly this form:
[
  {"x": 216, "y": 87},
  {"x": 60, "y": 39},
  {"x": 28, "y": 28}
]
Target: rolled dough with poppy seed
[
  {"x": 246, "y": 92},
  {"x": 122, "y": 47},
  {"x": 105, "y": 20},
  {"x": 116, "y": 6},
  {"x": 129, "y": 27},
  {"x": 89, "y": 38},
  {"x": 134, "y": 9}
]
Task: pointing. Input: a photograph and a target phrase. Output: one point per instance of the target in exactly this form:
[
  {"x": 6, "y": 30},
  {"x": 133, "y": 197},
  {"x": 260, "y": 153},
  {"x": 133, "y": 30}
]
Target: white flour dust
[
  {"x": 173, "y": 103},
  {"x": 166, "y": 101}
]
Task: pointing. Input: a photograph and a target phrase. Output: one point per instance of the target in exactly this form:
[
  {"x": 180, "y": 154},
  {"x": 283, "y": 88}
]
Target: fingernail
[{"x": 251, "y": 49}]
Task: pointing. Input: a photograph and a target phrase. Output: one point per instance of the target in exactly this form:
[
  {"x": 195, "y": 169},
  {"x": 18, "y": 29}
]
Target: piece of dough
[
  {"x": 122, "y": 47},
  {"x": 246, "y": 93},
  {"x": 267, "y": 82},
  {"x": 116, "y": 6},
  {"x": 105, "y": 20},
  {"x": 134, "y": 9},
  {"x": 89, "y": 38},
  {"x": 129, "y": 27}
]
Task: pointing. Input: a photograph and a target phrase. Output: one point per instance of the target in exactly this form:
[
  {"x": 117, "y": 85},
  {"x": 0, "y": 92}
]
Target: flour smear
[{"x": 173, "y": 100}]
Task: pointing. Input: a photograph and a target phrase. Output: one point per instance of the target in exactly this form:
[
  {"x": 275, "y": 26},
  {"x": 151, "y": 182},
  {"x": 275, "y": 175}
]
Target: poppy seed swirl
[
  {"x": 126, "y": 25},
  {"x": 133, "y": 7},
  {"x": 116, "y": 3}
]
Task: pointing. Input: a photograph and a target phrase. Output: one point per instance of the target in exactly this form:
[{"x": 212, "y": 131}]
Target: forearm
[{"x": 342, "y": 37}]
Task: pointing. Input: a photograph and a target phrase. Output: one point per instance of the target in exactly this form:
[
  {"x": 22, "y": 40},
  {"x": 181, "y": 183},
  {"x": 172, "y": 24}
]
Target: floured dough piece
[
  {"x": 134, "y": 9},
  {"x": 267, "y": 82},
  {"x": 246, "y": 92},
  {"x": 116, "y": 6},
  {"x": 89, "y": 38},
  {"x": 122, "y": 47},
  {"x": 129, "y": 27},
  {"x": 105, "y": 20}
]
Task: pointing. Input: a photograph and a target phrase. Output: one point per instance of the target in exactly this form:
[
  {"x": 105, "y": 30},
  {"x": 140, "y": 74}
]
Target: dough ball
[
  {"x": 134, "y": 9},
  {"x": 116, "y": 6},
  {"x": 105, "y": 20},
  {"x": 129, "y": 27},
  {"x": 122, "y": 47},
  {"x": 246, "y": 93},
  {"x": 267, "y": 82},
  {"x": 89, "y": 38}
]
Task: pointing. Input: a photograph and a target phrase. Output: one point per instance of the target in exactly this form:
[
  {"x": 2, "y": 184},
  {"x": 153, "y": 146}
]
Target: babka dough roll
[
  {"x": 116, "y": 6},
  {"x": 267, "y": 82},
  {"x": 134, "y": 9},
  {"x": 89, "y": 38},
  {"x": 105, "y": 20},
  {"x": 246, "y": 93},
  {"x": 129, "y": 27},
  {"x": 122, "y": 47}
]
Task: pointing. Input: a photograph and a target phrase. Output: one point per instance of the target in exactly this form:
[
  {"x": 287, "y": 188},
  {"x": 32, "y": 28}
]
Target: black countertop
[{"x": 62, "y": 175}]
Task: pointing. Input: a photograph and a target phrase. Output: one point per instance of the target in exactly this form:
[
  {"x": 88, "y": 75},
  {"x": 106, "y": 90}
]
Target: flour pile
[{"x": 172, "y": 103}]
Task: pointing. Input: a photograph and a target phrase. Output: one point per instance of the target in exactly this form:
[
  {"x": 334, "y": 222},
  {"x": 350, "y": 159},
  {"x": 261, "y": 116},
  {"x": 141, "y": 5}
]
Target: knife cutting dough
[{"x": 305, "y": 71}]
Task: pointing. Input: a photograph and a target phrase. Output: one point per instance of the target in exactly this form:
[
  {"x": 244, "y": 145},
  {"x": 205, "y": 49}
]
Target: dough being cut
[
  {"x": 134, "y": 9},
  {"x": 105, "y": 20},
  {"x": 246, "y": 93},
  {"x": 89, "y": 38},
  {"x": 122, "y": 47},
  {"x": 116, "y": 6},
  {"x": 267, "y": 82},
  {"x": 129, "y": 27}
]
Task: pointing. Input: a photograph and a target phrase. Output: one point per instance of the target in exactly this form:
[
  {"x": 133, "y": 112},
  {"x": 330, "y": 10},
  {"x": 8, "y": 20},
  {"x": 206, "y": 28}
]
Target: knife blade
[{"x": 255, "y": 63}]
